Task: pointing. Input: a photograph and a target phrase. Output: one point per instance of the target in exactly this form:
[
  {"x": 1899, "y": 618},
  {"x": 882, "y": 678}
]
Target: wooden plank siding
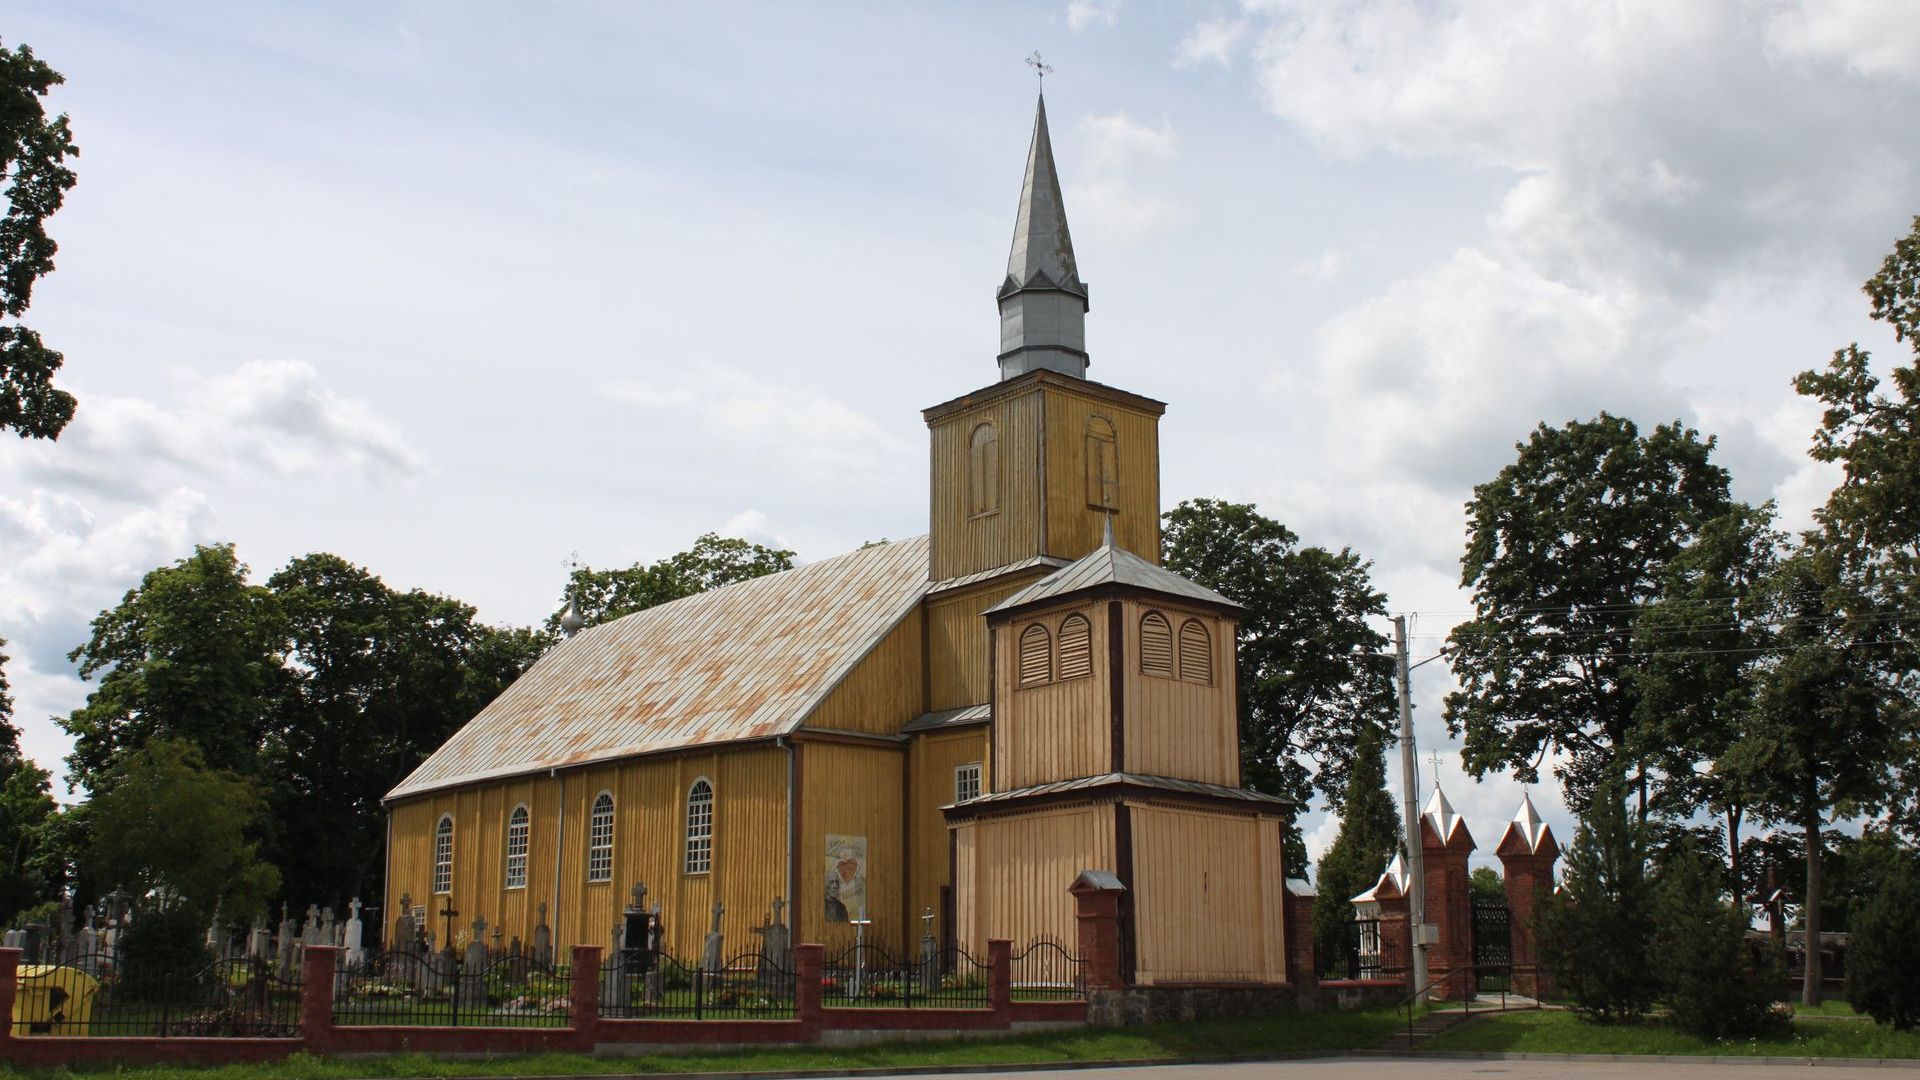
[
  {"x": 1012, "y": 873},
  {"x": 956, "y": 638},
  {"x": 1074, "y": 525},
  {"x": 931, "y": 762},
  {"x": 851, "y": 790},
  {"x": 885, "y": 689},
  {"x": 1207, "y": 896},
  {"x": 1177, "y": 727},
  {"x": 1058, "y": 730},
  {"x": 749, "y": 848},
  {"x": 963, "y": 543}
]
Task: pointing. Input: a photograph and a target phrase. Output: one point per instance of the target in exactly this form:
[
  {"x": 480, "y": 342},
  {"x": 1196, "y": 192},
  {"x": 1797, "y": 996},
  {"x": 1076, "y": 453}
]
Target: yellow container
[{"x": 53, "y": 1000}]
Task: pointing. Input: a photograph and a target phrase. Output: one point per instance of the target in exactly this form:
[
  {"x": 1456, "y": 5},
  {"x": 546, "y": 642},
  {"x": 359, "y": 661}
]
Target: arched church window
[
  {"x": 517, "y": 848},
  {"x": 1156, "y": 645},
  {"x": 443, "y": 855},
  {"x": 700, "y": 827},
  {"x": 1103, "y": 475},
  {"x": 1036, "y": 656},
  {"x": 600, "y": 839},
  {"x": 983, "y": 471},
  {"x": 1196, "y": 652},
  {"x": 1076, "y": 647}
]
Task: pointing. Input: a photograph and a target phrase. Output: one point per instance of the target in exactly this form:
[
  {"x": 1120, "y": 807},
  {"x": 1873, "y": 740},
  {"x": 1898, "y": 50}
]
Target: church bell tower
[{"x": 1032, "y": 468}]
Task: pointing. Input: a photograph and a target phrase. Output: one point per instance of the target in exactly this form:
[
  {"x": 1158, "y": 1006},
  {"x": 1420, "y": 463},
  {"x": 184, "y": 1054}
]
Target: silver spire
[{"x": 1043, "y": 302}]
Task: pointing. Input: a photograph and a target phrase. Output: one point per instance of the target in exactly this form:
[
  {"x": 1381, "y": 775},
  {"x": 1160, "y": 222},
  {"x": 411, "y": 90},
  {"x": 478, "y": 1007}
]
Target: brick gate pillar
[
  {"x": 1303, "y": 968},
  {"x": 1527, "y": 853},
  {"x": 1096, "y": 896},
  {"x": 1445, "y": 844}
]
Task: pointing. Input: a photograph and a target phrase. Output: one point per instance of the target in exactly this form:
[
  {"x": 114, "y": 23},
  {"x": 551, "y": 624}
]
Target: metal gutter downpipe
[
  {"x": 793, "y": 823},
  {"x": 559, "y": 845}
]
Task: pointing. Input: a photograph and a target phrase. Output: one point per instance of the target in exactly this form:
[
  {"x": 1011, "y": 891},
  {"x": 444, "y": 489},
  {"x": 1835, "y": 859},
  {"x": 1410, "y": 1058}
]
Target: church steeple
[{"x": 1043, "y": 302}]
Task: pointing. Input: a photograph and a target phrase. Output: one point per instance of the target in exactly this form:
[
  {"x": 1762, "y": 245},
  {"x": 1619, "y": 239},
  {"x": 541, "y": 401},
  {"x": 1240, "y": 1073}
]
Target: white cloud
[
  {"x": 1213, "y": 41},
  {"x": 1109, "y": 201},
  {"x": 752, "y": 525},
  {"x": 1872, "y": 37},
  {"x": 1083, "y": 15},
  {"x": 1330, "y": 264},
  {"x": 1117, "y": 140}
]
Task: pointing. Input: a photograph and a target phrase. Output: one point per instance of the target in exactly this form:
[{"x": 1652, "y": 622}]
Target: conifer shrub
[
  {"x": 1883, "y": 949},
  {"x": 1717, "y": 985},
  {"x": 1595, "y": 936}
]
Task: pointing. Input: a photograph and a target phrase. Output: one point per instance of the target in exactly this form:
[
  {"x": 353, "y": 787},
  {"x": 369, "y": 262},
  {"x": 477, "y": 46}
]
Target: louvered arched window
[
  {"x": 1156, "y": 645},
  {"x": 1076, "y": 647},
  {"x": 1196, "y": 652},
  {"x": 600, "y": 839},
  {"x": 1103, "y": 475},
  {"x": 517, "y": 848},
  {"x": 1036, "y": 656},
  {"x": 443, "y": 855},
  {"x": 983, "y": 471},
  {"x": 700, "y": 827}
]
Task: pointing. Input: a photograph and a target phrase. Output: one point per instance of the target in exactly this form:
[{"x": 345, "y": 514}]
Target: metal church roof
[
  {"x": 1109, "y": 564},
  {"x": 1042, "y": 253},
  {"x": 747, "y": 661}
]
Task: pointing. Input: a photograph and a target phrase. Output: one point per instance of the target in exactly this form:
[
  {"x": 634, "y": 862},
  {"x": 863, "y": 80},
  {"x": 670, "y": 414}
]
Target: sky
[{"x": 455, "y": 289}]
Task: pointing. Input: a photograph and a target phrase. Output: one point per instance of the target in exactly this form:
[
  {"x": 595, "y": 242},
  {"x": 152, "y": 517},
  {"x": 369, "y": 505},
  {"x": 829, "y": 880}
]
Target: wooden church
[{"x": 953, "y": 726}]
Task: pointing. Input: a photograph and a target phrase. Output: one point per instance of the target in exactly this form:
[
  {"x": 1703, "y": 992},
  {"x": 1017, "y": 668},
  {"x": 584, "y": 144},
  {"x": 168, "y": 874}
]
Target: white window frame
[
  {"x": 519, "y": 829},
  {"x": 443, "y": 856},
  {"x": 600, "y": 839},
  {"x": 699, "y": 827},
  {"x": 967, "y": 776}
]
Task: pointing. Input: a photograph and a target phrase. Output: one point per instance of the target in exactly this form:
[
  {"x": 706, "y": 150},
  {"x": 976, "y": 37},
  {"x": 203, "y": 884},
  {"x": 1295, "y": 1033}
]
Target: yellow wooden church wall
[
  {"x": 1176, "y": 727},
  {"x": 957, "y": 639},
  {"x": 963, "y": 543},
  {"x": 1073, "y": 526},
  {"x": 749, "y": 853},
  {"x": 1058, "y": 730},
  {"x": 851, "y": 790},
  {"x": 885, "y": 689},
  {"x": 1207, "y": 896},
  {"x": 931, "y": 762},
  {"x": 1014, "y": 871}
]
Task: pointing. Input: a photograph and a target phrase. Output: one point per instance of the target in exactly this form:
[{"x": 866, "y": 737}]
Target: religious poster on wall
[{"x": 846, "y": 878}]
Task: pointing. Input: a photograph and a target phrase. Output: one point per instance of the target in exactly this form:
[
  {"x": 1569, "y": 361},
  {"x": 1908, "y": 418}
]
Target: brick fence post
[
  {"x": 1096, "y": 896},
  {"x": 1527, "y": 853},
  {"x": 9, "y": 992},
  {"x": 583, "y": 997},
  {"x": 1000, "y": 978},
  {"x": 1296, "y": 921},
  {"x": 1449, "y": 906},
  {"x": 317, "y": 966},
  {"x": 809, "y": 963},
  {"x": 1396, "y": 937}
]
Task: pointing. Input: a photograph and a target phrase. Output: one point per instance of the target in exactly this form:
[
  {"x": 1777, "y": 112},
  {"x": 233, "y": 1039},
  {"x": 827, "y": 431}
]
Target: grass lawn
[
  {"x": 1564, "y": 1033},
  {"x": 1287, "y": 1034}
]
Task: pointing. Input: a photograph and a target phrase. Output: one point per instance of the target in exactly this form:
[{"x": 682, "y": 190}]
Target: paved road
[{"x": 1399, "y": 1069}]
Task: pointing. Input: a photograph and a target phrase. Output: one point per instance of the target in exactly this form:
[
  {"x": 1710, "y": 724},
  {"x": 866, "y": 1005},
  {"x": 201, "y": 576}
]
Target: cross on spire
[
  {"x": 1041, "y": 68},
  {"x": 1433, "y": 759}
]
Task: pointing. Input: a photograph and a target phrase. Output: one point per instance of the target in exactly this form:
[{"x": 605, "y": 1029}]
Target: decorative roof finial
[
  {"x": 571, "y": 620},
  {"x": 1041, "y": 68}
]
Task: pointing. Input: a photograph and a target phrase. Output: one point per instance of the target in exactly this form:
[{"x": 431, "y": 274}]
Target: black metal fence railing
[
  {"x": 407, "y": 989},
  {"x": 90, "y": 996},
  {"x": 655, "y": 986},
  {"x": 1365, "y": 951},
  {"x": 1046, "y": 971},
  {"x": 869, "y": 976}
]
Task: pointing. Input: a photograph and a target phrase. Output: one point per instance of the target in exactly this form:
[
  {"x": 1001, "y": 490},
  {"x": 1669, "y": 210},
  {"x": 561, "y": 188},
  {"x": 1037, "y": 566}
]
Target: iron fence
[
  {"x": 1365, "y": 951},
  {"x": 1492, "y": 948},
  {"x": 91, "y": 996},
  {"x": 656, "y": 986},
  {"x": 415, "y": 990},
  {"x": 870, "y": 976},
  {"x": 1046, "y": 971}
]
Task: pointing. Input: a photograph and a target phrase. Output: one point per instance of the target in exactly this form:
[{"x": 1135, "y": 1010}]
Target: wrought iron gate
[{"x": 1492, "y": 947}]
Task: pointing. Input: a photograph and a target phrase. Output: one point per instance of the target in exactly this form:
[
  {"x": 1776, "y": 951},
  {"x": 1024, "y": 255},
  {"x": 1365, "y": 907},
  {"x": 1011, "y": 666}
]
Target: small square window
[{"x": 966, "y": 782}]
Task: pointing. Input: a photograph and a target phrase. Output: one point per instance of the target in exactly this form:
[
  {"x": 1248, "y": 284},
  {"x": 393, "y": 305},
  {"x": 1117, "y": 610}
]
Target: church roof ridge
[
  {"x": 1110, "y": 564},
  {"x": 747, "y": 661}
]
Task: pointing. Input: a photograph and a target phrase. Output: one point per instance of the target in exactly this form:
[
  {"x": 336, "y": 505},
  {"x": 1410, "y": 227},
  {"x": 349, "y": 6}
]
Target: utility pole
[{"x": 1409, "y": 787}]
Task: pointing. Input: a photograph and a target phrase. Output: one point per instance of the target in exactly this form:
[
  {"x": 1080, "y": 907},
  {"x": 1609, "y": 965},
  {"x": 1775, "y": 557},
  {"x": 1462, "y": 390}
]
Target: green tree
[
  {"x": 1369, "y": 836},
  {"x": 1708, "y": 975},
  {"x": 379, "y": 679},
  {"x": 26, "y": 802},
  {"x": 1884, "y": 949},
  {"x": 1314, "y": 672},
  {"x": 713, "y": 561},
  {"x": 1487, "y": 886},
  {"x": 1595, "y": 936},
  {"x": 180, "y": 835},
  {"x": 1825, "y": 729},
  {"x": 1701, "y": 645},
  {"x": 1564, "y": 547},
  {"x": 33, "y": 156},
  {"x": 192, "y": 654}
]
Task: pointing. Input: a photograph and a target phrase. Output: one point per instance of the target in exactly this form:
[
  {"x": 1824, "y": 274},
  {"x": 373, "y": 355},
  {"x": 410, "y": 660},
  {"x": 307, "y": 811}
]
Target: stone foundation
[{"x": 1142, "y": 1005}]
